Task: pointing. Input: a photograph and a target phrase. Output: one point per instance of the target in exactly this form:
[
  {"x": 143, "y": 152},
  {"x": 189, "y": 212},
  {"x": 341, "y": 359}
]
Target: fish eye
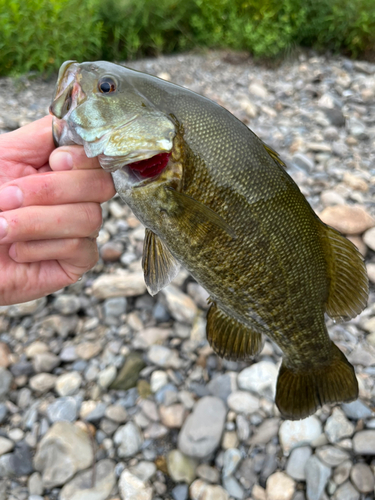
[{"x": 107, "y": 85}]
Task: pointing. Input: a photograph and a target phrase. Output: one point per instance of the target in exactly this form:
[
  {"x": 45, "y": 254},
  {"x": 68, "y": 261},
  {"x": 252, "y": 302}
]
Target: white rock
[
  {"x": 338, "y": 426},
  {"x": 259, "y": 378},
  {"x": 107, "y": 376},
  {"x": 6, "y": 445},
  {"x": 129, "y": 439},
  {"x": 133, "y": 488},
  {"x": 68, "y": 383},
  {"x": 42, "y": 382},
  {"x": 280, "y": 487},
  {"x": 164, "y": 357},
  {"x": 124, "y": 284},
  {"x": 243, "y": 402},
  {"x": 81, "y": 487},
  {"x": 64, "y": 450},
  {"x": 299, "y": 432},
  {"x": 180, "y": 305},
  {"x": 159, "y": 379}
]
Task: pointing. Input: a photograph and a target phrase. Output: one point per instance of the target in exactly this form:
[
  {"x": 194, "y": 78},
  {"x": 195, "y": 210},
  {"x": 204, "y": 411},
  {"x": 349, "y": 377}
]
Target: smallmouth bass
[{"x": 216, "y": 200}]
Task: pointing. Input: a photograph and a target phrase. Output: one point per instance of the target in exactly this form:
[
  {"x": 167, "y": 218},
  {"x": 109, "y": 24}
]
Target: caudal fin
[{"x": 300, "y": 393}]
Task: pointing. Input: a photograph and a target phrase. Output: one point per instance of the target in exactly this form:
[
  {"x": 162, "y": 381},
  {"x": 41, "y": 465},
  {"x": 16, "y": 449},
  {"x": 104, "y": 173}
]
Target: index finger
[{"x": 31, "y": 144}]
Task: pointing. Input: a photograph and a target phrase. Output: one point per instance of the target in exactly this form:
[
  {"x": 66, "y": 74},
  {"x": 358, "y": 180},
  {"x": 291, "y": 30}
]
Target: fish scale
[{"x": 225, "y": 209}]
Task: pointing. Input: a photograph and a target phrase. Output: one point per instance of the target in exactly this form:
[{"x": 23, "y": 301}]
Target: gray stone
[
  {"x": 208, "y": 473},
  {"x": 299, "y": 432},
  {"x": 24, "y": 309},
  {"x": 304, "y": 162},
  {"x": 203, "y": 428},
  {"x": 221, "y": 386},
  {"x": 82, "y": 487},
  {"x": 364, "y": 442},
  {"x": 164, "y": 357},
  {"x": 129, "y": 440},
  {"x": 129, "y": 374},
  {"x": 265, "y": 432},
  {"x": 332, "y": 456},
  {"x": 180, "y": 305},
  {"x": 92, "y": 411},
  {"x": 42, "y": 382},
  {"x": 199, "y": 490},
  {"x": 115, "y": 307},
  {"x": 3, "y": 412},
  {"x": 341, "y": 473},
  {"x": 232, "y": 458},
  {"x": 317, "y": 475},
  {"x": 63, "y": 409},
  {"x": 356, "y": 410},
  {"x": 144, "y": 470},
  {"x": 346, "y": 492},
  {"x": 338, "y": 426},
  {"x": 296, "y": 464},
  {"x": 180, "y": 467},
  {"x": 117, "y": 413},
  {"x": 45, "y": 362},
  {"x": 67, "y": 304},
  {"x": 362, "y": 477},
  {"x": 64, "y": 450},
  {"x": 35, "y": 484},
  {"x": 243, "y": 402},
  {"x": 233, "y": 487},
  {"x": 5, "y": 382},
  {"x": 107, "y": 376},
  {"x": 19, "y": 463},
  {"x": 369, "y": 238},
  {"x": 259, "y": 378},
  {"x": 133, "y": 488},
  {"x": 180, "y": 492}
]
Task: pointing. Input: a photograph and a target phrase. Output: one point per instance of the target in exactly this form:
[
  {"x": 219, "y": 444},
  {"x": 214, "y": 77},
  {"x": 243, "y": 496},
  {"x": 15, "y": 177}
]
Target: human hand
[{"x": 51, "y": 212}]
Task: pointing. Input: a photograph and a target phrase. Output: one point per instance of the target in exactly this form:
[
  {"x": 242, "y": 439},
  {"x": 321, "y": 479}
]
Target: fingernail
[
  {"x": 61, "y": 160},
  {"x": 3, "y": 227},
  {"x": 10, "y": 197}
]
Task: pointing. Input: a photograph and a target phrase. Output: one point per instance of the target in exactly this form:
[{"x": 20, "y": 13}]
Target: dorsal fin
[
  {"x": 274, "y": 155},
  {"x": 229, "y": 338},
  {"x": 349, "y": 286}
]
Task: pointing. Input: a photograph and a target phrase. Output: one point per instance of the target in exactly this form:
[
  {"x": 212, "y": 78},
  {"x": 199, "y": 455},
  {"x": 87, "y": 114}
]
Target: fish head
[{"x": 100, "y": 106}]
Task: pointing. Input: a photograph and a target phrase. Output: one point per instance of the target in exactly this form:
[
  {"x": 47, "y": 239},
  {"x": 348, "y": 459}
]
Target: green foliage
[{"x": 40, "y": 34}]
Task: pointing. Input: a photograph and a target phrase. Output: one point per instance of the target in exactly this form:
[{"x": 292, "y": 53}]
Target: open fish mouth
[{"x": 143, "y": 171}]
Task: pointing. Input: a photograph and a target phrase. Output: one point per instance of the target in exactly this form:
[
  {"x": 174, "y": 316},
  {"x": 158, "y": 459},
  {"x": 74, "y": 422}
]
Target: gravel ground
[{"x": 107, "y": 392}]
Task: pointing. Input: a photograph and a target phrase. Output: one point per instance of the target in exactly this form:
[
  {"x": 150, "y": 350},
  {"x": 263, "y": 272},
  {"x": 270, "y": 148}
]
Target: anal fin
[
  {"x": 349, "y": 287},
  {"x": 229, "y": 338},
  {"x": 159, "y": 265},
  {"x": 300, "y": 393}
]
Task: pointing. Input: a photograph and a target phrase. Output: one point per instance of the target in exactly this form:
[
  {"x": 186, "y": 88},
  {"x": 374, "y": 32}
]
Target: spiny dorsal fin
[
  {"x": 274, "y": 155},
  {"x": 300, "y": 393},
  {"x": 349, "y": 287},
  {"x": 229, "y": 338},
  {"x": 159, "y": 265}
]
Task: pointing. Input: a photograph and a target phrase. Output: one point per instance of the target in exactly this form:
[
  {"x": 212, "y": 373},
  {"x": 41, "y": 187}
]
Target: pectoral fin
[
  {"x": 159, "y": 265},
  {"x": 197, "y": 217},
  {"x": 229, "y": 338}
]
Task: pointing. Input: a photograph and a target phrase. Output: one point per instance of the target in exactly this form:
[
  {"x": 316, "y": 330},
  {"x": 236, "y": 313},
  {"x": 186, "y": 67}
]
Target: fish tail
[{"x": 300, "y": 393}]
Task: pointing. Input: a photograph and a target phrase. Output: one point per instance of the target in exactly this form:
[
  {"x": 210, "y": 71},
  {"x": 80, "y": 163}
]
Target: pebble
[
  {"x": 172, "y": 416},
  {"x": 6, "y": 380},
  {"x": 362, "y": 477},
  {"x": 68, "y": 384},
  {"x": 317, "y": 475},
  {"x": 117, "y": 413},
  {"x": 107, "y": 376},
  {"x": 42, "y": 382},
  {"x": 203, "y": 428},
  {"x": 129, "y": 440},
  {"x": 299, "y": 432},
  {"x": 259, "y": 378},
  {"x": 35, "y": 484},
  {"x": 348, "y": 219},
  {"x": 144, "y": 470},
  {"x": 88, "y": 350},
  {"x": 341, "y": 473},
  {"x": 124, "y": 284},
  {"x": 233, "y": 487},
  {"x": 332, "y": 456},
  {"x": 67, "y": 304},
  {"x": 45, "y": 362},
  {"x": 369, "y": 238},
  {"x": 180, "y": 305},
  {"x": 65, "y": 408},
  {"x": 364, "y": 442},
  {"x": 199, "y": 490},
  {"x": 356, "y": 410},
  {"x": 6, "y": 445},
  {"x": 280, "y": 487},
  {"x": 90, "y": 485},
  {"x": 222, "y": 386},
  {"x": 297, "y": 461},
  {"x": 266, "y": 431},
  {"x": 180, "y": 467},
  {"x": 64, "y": 450},
  {"x": 346, "y": 492},
  {"x": 243, "y": 402},
  {"x": 180, "y": 492},
  {"x": 133, "y": 488},
  {"x": 5, "y": 359},
  {"x": 111, "y": 251},
  {"x": 128, "y": 376},
  {"x": 338, "y": 426},
  {"x": 24, "y": 309},
  {"x": 164, "y": 357},
  {"x": 159, "y": 379},
  {"x": 232, "y": 458}
]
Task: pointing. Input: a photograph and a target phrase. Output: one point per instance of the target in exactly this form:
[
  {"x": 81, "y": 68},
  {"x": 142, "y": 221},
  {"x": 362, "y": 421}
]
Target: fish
[{"x": 218, "y": 201}]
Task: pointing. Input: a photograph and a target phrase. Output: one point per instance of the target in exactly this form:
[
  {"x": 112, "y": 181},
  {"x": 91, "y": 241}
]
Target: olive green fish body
[{"x": 224, "y": 208}]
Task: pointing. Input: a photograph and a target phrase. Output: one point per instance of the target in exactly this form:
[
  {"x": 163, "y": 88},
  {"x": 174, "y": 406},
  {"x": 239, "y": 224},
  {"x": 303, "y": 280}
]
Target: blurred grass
[{"x": 38, "y": 35}]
